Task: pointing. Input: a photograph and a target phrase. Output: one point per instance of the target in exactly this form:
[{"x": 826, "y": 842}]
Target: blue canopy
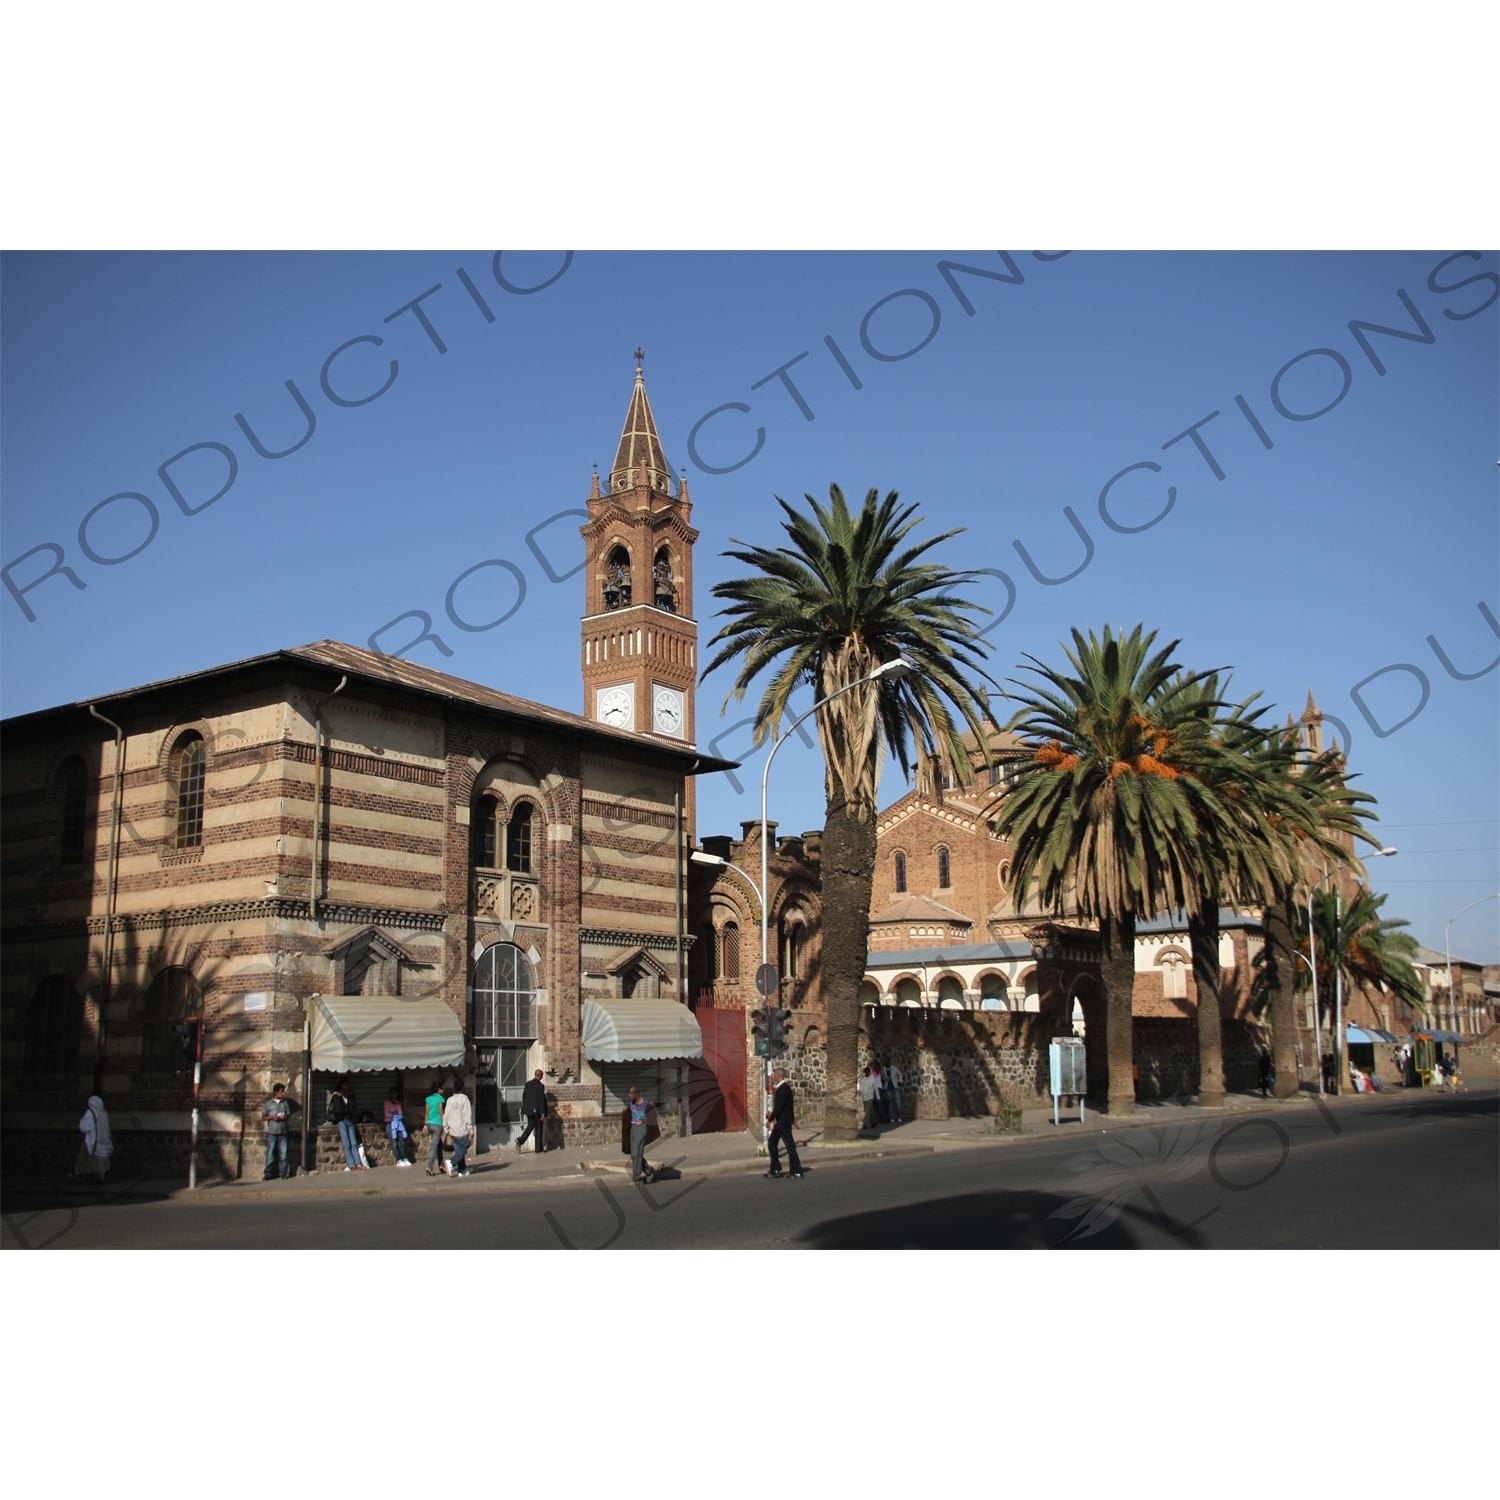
[{"x": 1359, "y": 1034}]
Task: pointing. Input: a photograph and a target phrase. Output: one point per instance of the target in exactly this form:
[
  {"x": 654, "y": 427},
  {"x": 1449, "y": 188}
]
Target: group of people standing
[
  {"x": 448, "y": 1122},
  {"x": 880, "y": 1093}
]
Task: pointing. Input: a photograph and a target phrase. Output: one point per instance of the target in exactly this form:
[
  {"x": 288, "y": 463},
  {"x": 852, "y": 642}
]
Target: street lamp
[
  {"x": 1338, "y": 978},
  {"x": 1448, "y": 955}
]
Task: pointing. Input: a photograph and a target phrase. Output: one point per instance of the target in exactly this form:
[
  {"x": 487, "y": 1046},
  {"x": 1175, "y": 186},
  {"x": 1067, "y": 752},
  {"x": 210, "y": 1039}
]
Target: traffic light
[
  {"x": 777, "y": 1019},
  {"x": 760, "y": 1027}
]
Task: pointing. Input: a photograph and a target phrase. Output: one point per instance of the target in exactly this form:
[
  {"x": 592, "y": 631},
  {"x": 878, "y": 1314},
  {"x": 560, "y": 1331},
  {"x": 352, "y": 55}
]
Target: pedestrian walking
[
  {"x": 276, "y": 1111},
  {"x": 395, "y": 1127},
  {"x": 434, "y": 1129},
  {"x": 892, "y": 1079},
  {"x": 1265, "y": 1073},
  {"x": 458, "y": 1121},
  {"x": 868, "y": 1089},
  {"x": 341, "y": 1117},
  {"x": 534, "y": 1107},
  {"x": 98, "y": 1144},
  {"x": 638, "y": 1128},
  {"x": 779, "y": 1122}
]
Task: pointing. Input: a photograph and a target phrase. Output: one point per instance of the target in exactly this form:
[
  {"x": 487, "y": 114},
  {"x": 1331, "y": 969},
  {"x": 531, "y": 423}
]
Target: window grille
[
  {"x": 190, "y": 768},
  {"x": 504, "y": 994}
]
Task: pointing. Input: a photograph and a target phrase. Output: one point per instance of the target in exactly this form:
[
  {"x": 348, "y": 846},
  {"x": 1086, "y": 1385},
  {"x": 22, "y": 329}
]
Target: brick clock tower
[{"x": 640, "y": 640}]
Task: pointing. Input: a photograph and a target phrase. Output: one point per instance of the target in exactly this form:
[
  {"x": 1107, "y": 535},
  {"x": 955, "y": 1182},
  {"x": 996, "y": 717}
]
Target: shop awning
[
  {"x": 1357, "y": 1034},
  {"x": 363, "y": 1034},
  {"x": 639, "y": 1031},
  {"x": 1441, "y": 1036}
]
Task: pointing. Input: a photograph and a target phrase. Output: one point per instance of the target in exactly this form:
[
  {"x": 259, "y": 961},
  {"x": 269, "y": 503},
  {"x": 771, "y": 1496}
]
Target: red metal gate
[{"x": 716, "y": 1083}]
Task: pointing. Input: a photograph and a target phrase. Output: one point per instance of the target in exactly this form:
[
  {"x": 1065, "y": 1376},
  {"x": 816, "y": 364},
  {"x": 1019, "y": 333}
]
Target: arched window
[
  {"x": 869, "y": 992},
  {"x": 950, "y": 993},
  {"x": 791, "y": 951},
  {"x": 908, "y": 992},
  {"x": 992, "y": 992},
  {"x": 518, "y": 840},
  {"x": 174, "y": 997},
  {"x": 900, "y": 864},
  {"x": 1173, "y": 976},
  {"x": 54, "y": 1027},
  {"x": 75, "y": 809},
  {"x": 617, "y": 579},
  {"x": 504, "y": 995},
  {"x": 192, "y": 757},
  {"x": 730, "y": 939},
  {"x": 945, "y": 870},
  {"x": 486, "y": 833},
  {"x": 665, "y": 592}
]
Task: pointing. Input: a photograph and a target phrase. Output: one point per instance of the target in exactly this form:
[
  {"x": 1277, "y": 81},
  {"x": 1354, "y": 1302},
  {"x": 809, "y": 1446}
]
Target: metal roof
[{"x": 954, "y": 953}]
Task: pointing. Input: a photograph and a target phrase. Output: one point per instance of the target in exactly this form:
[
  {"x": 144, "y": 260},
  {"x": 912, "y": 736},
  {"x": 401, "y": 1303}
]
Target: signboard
[
  {"x": 256, "y": 1002},
  {"x": 765, "y": 980},
  {"x": 1069, "y": 1073}
]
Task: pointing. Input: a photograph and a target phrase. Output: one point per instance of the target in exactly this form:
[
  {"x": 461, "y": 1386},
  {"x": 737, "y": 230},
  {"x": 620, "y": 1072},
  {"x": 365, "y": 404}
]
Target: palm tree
[
  {"x": 1364, "y": 950},
  {"x": 1100, "y": 816},
  {"x": 848, "y": 594},
  {"x": 1242, "y": 858}
]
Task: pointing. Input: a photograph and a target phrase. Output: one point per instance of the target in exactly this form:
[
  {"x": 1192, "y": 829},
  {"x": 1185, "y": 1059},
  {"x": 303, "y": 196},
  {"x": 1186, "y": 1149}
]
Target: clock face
[
  {"x": 667, "y": 711},
  {"x": 617, "y": 708}
]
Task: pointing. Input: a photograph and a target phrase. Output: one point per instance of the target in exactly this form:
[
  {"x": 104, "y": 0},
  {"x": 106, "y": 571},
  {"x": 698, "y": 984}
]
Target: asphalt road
[{"x": 1413, "y": 1171}]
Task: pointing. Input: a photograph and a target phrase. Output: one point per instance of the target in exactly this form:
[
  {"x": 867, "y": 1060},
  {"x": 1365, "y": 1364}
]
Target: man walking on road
[
  {"x": 534, "y": 1107},
  {"x": 780, "y": 1121},
  {"x": 458, "y": 1121},
  {"x": 275, "y": 1112}
]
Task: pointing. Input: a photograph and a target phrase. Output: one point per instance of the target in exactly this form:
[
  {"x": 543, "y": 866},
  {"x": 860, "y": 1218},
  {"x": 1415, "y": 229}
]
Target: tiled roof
[
  {"x": 639, "y": 445},
  {"x": 957, "y": 953},
  {"x": 393, "y": 671},
  {"x": 921, "y": 909}
]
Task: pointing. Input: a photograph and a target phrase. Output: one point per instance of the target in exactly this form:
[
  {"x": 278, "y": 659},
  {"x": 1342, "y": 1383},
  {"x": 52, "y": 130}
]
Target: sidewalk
[{"x": 505, "y": 1168}]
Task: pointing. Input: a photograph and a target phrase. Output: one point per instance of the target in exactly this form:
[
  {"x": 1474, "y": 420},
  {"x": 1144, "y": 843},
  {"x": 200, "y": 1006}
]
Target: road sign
[{"x": 765, "y": 980}]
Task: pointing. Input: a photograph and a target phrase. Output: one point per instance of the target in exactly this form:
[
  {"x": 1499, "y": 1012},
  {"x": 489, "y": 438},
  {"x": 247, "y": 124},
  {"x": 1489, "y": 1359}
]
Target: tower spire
[{"x": 639, "y": 444}]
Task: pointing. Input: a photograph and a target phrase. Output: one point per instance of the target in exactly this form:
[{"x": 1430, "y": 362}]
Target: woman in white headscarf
[{"x": 98, "y": 1143}]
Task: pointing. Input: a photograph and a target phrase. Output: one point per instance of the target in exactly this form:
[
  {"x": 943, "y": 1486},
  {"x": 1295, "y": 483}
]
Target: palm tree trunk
[
  {"x": 1203, "y": 932},
  {"x": 1117, "y": 969},
  {"x": 848, "y": 873},
  {"x": 1283, "y": 962}
]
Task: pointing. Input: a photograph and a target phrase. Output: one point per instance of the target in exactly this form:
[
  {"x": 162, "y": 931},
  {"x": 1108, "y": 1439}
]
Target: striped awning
[
  {"x": 639, "y": 1030},
  {"x": 362, "y": 1034}
]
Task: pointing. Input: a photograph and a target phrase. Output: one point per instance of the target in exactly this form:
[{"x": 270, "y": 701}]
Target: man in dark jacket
[
  {"x": 780, "y": 1121},
  {"x": 534, "y": 1107}
]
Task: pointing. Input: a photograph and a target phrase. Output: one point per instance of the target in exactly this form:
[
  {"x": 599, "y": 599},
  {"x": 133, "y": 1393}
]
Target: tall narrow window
[
  {"x": 518, "y": 841},
  {"x": 945, "y": 873},
  {"x": 191, "y": 759},
  {"x": 174, "y": 997},
  {"x": 731, "y": 940},
  {"x": 900, "y": 863},
  {"x": 75, "y": 806},
  {"x": 486, "y": 832},
  {"x": 792, "y": 946},
  {"x": 54, "y": 1027}
]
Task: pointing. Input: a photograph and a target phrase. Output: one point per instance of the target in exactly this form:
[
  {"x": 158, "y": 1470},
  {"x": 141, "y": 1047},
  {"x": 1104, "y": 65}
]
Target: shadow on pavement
[{"x": 968, "y": 1221}]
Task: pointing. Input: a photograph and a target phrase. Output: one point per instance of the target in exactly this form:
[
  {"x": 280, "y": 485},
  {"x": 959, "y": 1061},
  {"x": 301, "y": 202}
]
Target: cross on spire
[{"x": 640, "y": 354}]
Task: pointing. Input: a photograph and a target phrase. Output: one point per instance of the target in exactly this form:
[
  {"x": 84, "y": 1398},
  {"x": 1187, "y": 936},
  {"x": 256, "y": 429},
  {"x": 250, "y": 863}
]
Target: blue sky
[{"x": 1314, "y": 564}]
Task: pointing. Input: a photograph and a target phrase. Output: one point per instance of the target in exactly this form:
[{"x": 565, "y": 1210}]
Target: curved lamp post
[
  {"x": 1448, "y": 953},
  {"x": 886, "y": 671}
]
